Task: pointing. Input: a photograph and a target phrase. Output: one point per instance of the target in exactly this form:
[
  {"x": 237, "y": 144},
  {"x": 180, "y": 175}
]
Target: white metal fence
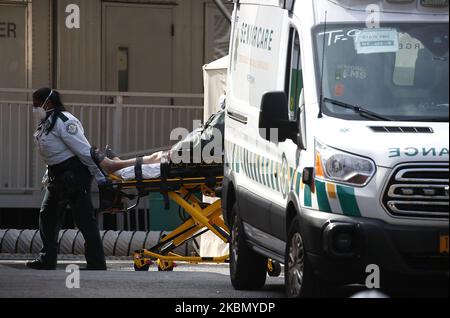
[{"x": 128, "y": 121}]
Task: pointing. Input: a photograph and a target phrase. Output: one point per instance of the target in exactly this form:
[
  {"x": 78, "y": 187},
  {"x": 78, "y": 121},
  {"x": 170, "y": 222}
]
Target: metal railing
[{"x": 133, "y": 123}]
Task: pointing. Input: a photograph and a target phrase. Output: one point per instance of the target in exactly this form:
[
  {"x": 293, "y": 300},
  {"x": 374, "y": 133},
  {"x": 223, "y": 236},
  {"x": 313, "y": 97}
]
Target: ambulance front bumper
[{"x": 340, "y": 248}]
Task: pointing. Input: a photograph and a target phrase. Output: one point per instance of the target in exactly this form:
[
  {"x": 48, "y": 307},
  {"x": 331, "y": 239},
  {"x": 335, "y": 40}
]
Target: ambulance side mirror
[{"x": 274, "y": 117}]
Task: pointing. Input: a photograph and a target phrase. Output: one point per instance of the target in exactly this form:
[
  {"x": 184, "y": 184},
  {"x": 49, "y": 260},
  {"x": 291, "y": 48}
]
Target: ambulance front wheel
[{"x": 300, "y": 281}]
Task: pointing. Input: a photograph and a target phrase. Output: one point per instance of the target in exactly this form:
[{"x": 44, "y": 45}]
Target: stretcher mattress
[
  {"x": 152, "y": 171},
  {"x": 163, "y": 178},
  {"x": 169, "y": 170}
]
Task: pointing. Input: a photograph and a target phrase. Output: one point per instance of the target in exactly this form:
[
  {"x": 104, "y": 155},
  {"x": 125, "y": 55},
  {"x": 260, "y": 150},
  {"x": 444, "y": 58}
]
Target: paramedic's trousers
[{"x": 70, "y": 184}]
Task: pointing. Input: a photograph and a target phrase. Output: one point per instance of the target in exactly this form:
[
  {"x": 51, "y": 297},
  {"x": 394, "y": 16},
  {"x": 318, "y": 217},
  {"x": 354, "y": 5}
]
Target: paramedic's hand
[
  {"x": 45, "y": 180},
  {"x": 104, "y": 183}
]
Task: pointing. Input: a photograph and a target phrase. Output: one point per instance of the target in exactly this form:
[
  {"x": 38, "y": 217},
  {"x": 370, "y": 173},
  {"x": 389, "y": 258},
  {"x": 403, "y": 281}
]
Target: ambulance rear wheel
[{"x": 248, "y": 269}]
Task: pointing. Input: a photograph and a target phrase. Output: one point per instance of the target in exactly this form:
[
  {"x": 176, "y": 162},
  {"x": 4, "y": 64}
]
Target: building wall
[
  {"x": 73, "y": 58},
  {"x": 79, "y": 50},
  {"x": 43, "y": 52},
  {"x": 14, "y": 22},
  {"x": 41, "y": 36}
]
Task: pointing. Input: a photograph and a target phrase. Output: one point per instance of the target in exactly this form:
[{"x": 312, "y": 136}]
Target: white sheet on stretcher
[{"x": 152, "y": 171}]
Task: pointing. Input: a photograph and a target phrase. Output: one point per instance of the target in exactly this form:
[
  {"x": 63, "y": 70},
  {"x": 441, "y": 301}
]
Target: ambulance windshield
[{"x": 399, "y": 71}]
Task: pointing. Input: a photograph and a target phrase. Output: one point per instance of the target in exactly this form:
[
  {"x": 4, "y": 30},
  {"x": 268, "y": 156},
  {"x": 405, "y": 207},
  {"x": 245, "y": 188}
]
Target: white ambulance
[{"x": 336, "y": 141}]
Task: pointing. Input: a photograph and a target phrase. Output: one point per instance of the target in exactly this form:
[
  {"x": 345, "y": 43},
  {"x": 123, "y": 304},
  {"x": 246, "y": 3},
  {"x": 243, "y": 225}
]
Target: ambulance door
[
  {"x": 260, "y": 36},
  {"x": 289, "y": 176}
]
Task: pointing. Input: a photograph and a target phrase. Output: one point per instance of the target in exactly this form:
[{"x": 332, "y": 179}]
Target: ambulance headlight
[{"x": 342, "y": 167}]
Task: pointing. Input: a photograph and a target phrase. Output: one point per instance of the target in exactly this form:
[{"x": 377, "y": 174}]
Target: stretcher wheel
[
  {"x": 144, "y": 268},
  {"x": 141, "y": 264},
  {"x": 165, "y": 266},
  {"x": 273, "y": 268}
]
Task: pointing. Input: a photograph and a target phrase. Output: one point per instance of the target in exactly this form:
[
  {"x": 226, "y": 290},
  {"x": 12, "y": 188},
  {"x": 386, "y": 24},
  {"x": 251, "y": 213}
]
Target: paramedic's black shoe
[
  {"x": 39, "y": 265},
  {"x": 110, "y": 153}
]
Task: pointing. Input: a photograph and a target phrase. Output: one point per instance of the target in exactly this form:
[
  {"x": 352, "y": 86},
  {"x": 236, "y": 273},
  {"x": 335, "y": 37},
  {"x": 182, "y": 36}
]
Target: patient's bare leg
[
  {"x": 154, "y": 158},
  {"x": 111, "y": 166}
]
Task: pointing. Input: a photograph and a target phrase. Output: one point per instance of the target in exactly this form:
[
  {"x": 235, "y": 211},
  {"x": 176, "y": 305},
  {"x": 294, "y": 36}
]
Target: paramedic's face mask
[{"x": 39, "y": 112}]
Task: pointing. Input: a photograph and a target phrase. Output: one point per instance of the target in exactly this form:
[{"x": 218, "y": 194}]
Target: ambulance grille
[
  {"x": 404, "y": 130},
  {"x": 418, "y": 191}
]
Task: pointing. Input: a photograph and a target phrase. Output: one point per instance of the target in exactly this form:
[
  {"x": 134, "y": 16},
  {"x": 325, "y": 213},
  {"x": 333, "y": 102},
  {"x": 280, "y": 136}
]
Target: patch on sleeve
[{"x": 72, "y": 128}]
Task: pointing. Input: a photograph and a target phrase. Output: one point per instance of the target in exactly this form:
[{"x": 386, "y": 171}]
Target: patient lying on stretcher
[{"x": 111, "y": 164}]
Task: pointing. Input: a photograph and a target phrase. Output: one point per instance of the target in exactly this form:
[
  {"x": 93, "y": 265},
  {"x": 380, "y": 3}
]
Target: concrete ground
[{"x": 121, "y": 281}]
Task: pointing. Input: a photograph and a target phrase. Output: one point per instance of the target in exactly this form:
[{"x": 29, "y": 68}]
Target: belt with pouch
[{"x": 73, "y": 163}]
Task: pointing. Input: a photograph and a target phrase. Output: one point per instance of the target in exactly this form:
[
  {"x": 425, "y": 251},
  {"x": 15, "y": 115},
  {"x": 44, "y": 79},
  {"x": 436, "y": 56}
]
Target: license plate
[{"x": 444, "y": 244}]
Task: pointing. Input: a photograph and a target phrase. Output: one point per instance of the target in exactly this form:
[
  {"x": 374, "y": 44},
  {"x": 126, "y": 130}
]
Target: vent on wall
[{"x": 397, "y": 129}]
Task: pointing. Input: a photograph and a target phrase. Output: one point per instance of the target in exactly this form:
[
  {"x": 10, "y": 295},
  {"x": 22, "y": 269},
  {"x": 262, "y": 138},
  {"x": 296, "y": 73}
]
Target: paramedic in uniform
[{"x": 70, "y": 168}]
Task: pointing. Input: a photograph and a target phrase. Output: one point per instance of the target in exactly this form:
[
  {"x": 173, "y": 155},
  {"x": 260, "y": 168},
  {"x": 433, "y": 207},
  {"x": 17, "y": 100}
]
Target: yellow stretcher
[{"x": 183, "y": 192}]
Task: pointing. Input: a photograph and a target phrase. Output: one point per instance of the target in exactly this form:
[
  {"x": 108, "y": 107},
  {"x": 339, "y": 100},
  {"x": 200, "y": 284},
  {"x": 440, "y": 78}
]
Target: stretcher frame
[{"x": 202, "y": 218}]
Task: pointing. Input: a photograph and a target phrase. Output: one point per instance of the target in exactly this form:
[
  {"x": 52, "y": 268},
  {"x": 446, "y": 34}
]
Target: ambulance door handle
[{"x": 237, "y": 117}]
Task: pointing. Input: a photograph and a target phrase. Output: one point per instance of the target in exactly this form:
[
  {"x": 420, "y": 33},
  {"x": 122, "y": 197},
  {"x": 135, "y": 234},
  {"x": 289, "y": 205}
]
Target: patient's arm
[{"x": 111, "y": 166}]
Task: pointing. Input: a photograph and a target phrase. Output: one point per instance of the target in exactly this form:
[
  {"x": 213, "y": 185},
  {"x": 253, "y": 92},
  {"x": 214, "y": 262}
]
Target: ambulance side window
[{"x": 294, "y": 74}]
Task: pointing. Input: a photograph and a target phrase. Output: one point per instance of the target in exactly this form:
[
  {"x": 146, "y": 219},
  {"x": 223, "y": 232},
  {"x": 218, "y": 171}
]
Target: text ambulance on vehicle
[{"x": 357, "y": 172}]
